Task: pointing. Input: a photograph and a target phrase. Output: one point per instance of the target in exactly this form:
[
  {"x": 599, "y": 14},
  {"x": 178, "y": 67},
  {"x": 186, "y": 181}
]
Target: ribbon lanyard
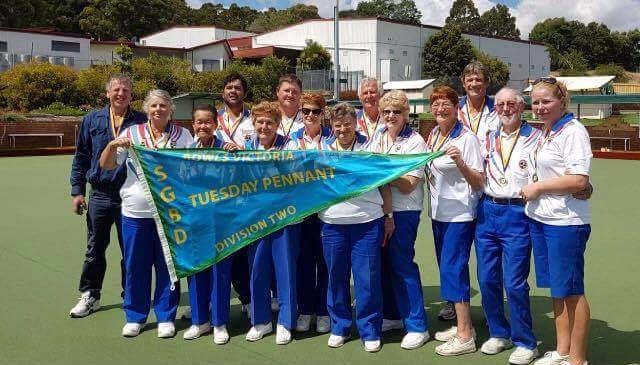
[
  {"x": 226, "y": 123},
  {"x": 112, "y": 119},
  {"x": 364, "y": 125},
  {"x": 154, "y": 143},
  {"x": 438, "y": 146},
  {"x": 478, "y": 118},
  {"x": 541, "y": 143},
  {"x": 286, "y": 132},
  {"x": 505, "y": 164},
  {"x": 339, "y": 147}
]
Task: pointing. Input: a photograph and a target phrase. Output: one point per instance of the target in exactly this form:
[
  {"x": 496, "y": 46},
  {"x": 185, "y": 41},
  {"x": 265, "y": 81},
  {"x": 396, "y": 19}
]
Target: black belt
[{"x": 506, "y": 201}]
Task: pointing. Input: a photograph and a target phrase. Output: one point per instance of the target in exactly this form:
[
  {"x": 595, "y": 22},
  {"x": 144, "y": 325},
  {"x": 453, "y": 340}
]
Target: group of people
[{"x": 507, "y": 186}]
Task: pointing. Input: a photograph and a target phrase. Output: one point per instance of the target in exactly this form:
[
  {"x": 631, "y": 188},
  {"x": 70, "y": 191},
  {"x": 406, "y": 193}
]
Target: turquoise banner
[{"x": 209, "y": 203}]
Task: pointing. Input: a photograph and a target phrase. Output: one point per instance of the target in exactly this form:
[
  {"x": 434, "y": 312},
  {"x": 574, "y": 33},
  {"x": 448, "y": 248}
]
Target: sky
[{"x": 616, "y": 14}]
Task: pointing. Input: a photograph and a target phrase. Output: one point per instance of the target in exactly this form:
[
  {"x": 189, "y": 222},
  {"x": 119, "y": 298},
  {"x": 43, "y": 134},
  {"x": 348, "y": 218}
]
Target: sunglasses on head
[
  {"x": 307, "y": 111},
  {"x": 548, "y": 80}
]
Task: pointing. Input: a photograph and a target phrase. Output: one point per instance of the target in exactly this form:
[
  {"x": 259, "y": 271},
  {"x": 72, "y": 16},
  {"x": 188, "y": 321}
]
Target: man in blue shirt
[{"x": 97, "y": 129}]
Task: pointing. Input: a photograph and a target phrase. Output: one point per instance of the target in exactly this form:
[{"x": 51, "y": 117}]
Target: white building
[
  {"x": 189, "y": 37},
  {"x": 415, "y": 90},
  {"x": 23, "y": 45},
  {"x": 390, "y": 50},
  {"x": 587, "y": 85}
]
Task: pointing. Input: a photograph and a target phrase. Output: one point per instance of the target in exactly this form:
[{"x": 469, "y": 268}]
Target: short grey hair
[
  {"x": 516, "y": 93},
  {"x": 158, "y": 93},
  {"x": 122, "y": 78},
  {"x": 342, "y": 111},
  {"x": 370, "y": 80}
]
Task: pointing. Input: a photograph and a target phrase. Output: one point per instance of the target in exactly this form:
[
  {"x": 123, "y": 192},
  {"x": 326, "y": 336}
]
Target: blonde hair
[
  {"x": 397, "y": 99},
  {"x": 269, "y": 109},
  {"x": 557, "y": 87}
]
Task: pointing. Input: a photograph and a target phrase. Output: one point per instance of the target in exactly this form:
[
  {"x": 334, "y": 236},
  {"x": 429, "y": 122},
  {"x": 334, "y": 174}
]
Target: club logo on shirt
[
  {"x": 523, "y": 164},
  {"x": 398, "y": 148}
]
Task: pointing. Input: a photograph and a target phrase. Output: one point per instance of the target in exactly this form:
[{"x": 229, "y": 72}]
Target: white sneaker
[
  {"x": 336, "y": 341},
  {"x": 522, "y": 356},
  {"x": 323, "y": 324},
  {"x": 186, "y": 314},
  {"x": 446, "y": 335},
  {"x": 166, "y": 330},
  {"x": 552, "y": 358},
  {"x": 495, "y": 345},
  {"x": 448, "y": 312},
  {"x": 413, "y": 340},
  {"x": 131, "y": 329},
  {"x": 372, "y": 346},
  {"x": 275, "y": 306},
  {"x": 567, "y": 362},
  {"x": 283, "y": 335},
  {"x": 220, "y": 335},
  {"x": 196, "y": 331},
  {"x": 258, "y": 331},
  {"x": 303, "y": 323},
  {"x": 246, "y": 308},
  {"x": 85, "y": 306},
  {"x": 455, "y": 347},
  {"x": 391, "y": 324}
]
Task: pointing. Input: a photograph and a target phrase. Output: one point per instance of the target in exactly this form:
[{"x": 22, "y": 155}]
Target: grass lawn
[{"x": 43, "y": 246}]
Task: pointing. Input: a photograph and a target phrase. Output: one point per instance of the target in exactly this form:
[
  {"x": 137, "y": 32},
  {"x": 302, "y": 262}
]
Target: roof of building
[
  {"x": 404, "y": 23},
  {"x": 577, "y": 83},
  {"x": 407, "y": 85},
  {"x": 260, "y": 52},
  {"x": 44, "y": 31},
  {"x": 192, "y": 26},
  {"x": 136, "y": 45}
]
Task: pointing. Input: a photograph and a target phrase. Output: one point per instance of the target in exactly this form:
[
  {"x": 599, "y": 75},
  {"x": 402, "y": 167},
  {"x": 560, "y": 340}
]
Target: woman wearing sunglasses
[
  {"x": 455, "y": 185},
  {"x": 560, "y": 223},
  {"x": 353, "y": 232},
  {"x": 403, "y": 304},
  {"x": 312, "y": 271}
]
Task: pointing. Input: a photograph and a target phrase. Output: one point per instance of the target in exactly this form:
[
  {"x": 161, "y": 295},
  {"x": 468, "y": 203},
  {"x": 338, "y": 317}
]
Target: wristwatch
[{"x": 389, "y": 215}]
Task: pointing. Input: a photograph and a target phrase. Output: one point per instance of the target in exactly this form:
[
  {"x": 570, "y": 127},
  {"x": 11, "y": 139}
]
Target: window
[
  {"x": 509, "y": 64},
  {"x": 533, "y": 67},
  {"x": 210, "y": 65},
  {"x": 3, "y": 46},
  {"x": 404, "y": 53},
  {"x": 391, "y": 51},
  {"x": 65, "y": 46}
]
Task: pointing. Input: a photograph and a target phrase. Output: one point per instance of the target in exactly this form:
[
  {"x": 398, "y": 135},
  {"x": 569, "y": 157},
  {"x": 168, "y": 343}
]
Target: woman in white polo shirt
[
  {"x": 352, "y": 234},
  {"x": 401, "y": 283},
  {"x": 312, "y": 271},
  {"x": 560, "y": 223},
  {"x": 142, "y": 248},
  {"x": 455, "y": 185}
]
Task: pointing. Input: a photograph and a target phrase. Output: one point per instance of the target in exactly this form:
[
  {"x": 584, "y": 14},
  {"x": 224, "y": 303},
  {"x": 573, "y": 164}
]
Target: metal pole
[{"x": 336, "y": 55}]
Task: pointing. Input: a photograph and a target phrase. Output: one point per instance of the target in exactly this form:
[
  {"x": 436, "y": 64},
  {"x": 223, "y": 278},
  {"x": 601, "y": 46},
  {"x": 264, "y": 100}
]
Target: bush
[
  {"x": 59, "y": 109},
  {"x": 36, "y": 85},
  {"x": 167, "y": 73},
  {"x": 12, "y": 117},
  {"x": 612, "y": 69},
  {"x": 91, "y": 85}
]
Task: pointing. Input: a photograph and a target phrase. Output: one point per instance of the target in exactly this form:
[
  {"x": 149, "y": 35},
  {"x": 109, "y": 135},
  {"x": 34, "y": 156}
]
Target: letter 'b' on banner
[{"x": 208, "y": 203}]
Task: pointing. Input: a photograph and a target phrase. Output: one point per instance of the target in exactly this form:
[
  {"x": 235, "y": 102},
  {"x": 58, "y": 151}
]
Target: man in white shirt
[{"x": 368, "y": 120}]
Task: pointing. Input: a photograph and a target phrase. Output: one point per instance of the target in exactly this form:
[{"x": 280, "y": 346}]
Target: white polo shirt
[
  {"x": 505, "y": 180},
  {"x": 134, "y": 202},
  {"x": 451, "y": 198},
  {"x": 565, "y": 151},
  {"x": 289, "y": 126},
  {"x": 237, "y": 131},
  {"x": 361, "y": 209},
  {"x": 301, "y": 141},
  {"x": 489, "y": 120},
  {"x": 407, "y": 142}
]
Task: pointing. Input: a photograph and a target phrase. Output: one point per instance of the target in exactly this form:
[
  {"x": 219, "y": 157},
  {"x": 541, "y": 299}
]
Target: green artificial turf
[{"x": 42, "y": 249}]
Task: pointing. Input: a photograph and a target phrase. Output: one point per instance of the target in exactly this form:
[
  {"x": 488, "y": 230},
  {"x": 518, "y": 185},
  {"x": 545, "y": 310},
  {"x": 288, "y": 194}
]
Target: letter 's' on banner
[{"x": 208, "y": 203}]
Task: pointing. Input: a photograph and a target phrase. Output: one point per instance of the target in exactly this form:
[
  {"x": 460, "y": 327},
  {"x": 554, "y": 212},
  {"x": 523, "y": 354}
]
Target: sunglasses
[
  {"x": 550, "y": 81},
  {"x": 307, "y": 111},
  {"x": 389, "y": 112}
]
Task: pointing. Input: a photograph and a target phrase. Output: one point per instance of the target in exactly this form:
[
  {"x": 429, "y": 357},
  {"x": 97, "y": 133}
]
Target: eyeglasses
[
  {"x": 551, "y": 81},
  {"x": 445, "y": 106},
  {"x": 307, "y": 111},
  {"x": 506, "y": 104},
  {"x": 389, "y": 112},
  {"x": 203, "y": 122}
]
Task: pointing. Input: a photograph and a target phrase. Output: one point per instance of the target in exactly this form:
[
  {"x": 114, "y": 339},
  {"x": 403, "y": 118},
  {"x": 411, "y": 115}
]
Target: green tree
[
  {"x": 464, "y": 15},
  {"x": 273, "y": 19},
  {"x": 401, "y": 10},
  {"x": 612, "y": 69},
  {"x": 446, "y": 54},
  {"x": 125, "y": 57},
  {"x": 236, "y": 17},
  {"x": 90, "y": 85},
  {"x": 573, "y": 64},
  {"x": 168, "y": 73},
  {"x": 498, "y": 71},
  {"x": 498, "y": 22},
  {"x": 21, "y": 13},
  {"x": 314, "y": 57},
  {"x": 36, "y": 85}
]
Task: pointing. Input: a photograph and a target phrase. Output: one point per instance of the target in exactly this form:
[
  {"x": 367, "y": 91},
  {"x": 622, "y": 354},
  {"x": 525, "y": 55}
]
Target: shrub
[
  {"x": 612, "y": 69},
  {"x": 12, "y": 117},
  {"x": 59, "y": 109},
  {"x": 91, "y": 85},
  {"x": 35, "y": 85},
  {"x": 168, "y": 73}
]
